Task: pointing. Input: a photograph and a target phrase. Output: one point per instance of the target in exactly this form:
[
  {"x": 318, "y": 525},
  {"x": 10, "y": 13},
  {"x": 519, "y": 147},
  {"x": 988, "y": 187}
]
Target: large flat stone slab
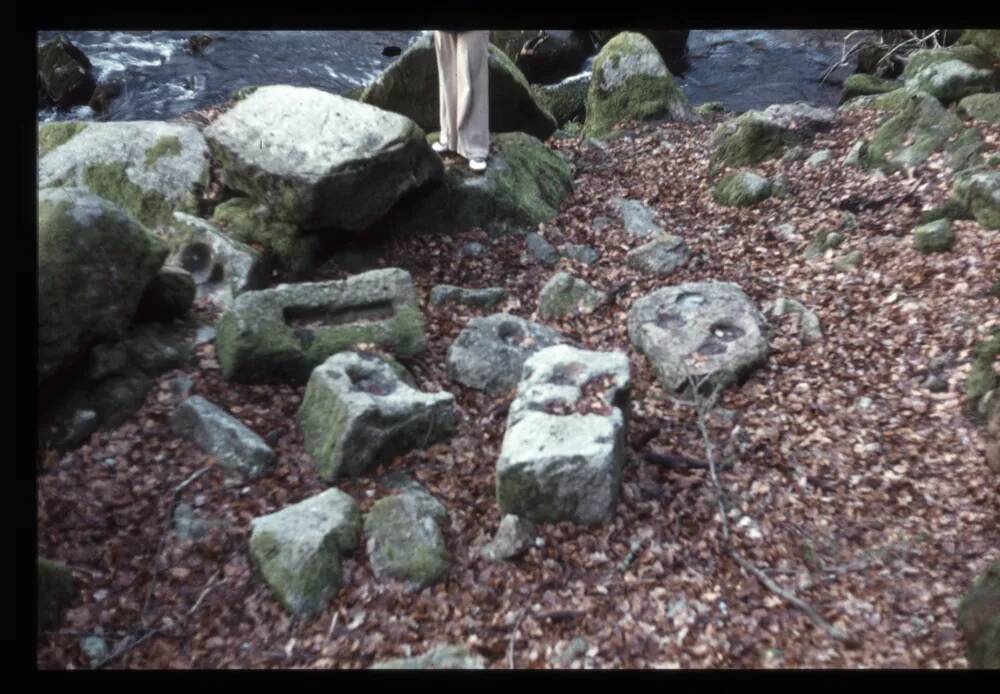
[
  {"x": 282, "y": 334},
  {"x": 706, "y": 330},
  {"x": 358, "y": 413},
  {"x": 320, "y": 160}
]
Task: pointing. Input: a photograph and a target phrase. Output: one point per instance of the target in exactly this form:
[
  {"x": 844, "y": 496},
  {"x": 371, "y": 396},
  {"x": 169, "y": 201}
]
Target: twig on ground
[
  {"x": 703, "y": 406},
  {"x": 163, "y": 537},
  {"x": 513, "y": 638},
  {"x": 149, "y": 633},
  {"x": 831, "y": 631}
]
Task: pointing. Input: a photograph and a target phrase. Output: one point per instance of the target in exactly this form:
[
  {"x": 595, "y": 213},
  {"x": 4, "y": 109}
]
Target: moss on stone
[
  {"x": 111, "y": 182},
  {"x": 749, "y": 139},
  {"x": 303, "y": 588},
  {"x": 861, "y": 84},
  {"x": 979, "y": 619},
  {"x": 972, "y": 55},
  {"x": 986, "y": 40},
  {"x": 56, "y": 590},
  {"x": 251, "y": 223},
  {"x": 52, "y": 135},
  {"x": 983, "y": 376},
  {"x": 977, "y": 190},
  {"x": 984, "y": 107},
  {"x": 164, "y": 147},
  {"x": 741, "y": 189},
  {"x": 921, "y": 127},
  {"x": 935, "y": 237}
]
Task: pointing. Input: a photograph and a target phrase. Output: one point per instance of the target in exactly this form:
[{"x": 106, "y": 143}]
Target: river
[{"x": 162, "y": 79}]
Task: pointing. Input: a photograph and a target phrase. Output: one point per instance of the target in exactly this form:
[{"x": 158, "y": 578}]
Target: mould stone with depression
[
  {"x": 282, "y": 334},
  {"x": 320, "y": 160},
  {"x": 221, "y": 267},
  {"x": 710, "y": 331},
  {"x": 562, "y": 455},
  {"x": 150, "y": 169},
  {"x": 358, "y": 413},
  {"x": 490, "y": 351}
]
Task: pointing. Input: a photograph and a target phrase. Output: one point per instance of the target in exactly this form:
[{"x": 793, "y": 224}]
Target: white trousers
[{"x": 463, "y": 88}]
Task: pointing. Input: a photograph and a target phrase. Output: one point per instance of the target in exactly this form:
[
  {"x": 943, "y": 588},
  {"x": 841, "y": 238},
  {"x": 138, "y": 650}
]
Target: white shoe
[
  {"x": 439, "y": 148},
  {"x": 477, "y": 164}
]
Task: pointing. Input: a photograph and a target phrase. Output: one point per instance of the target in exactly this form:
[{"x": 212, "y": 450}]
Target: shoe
[
  {"x": 477, "y": 164},
  {"x": 439, "y": 148}
]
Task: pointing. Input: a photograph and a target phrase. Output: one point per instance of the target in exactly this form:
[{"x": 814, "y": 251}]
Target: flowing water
[{"x": 162, "y": 79}]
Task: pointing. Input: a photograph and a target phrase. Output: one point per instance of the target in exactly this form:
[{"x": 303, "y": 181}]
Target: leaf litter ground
[{"x": 851, "y": 483}]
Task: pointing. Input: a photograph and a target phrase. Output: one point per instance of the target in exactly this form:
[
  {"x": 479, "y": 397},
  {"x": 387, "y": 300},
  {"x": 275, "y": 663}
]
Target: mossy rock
[
  {"x": 907, "y": 139},
  {"x": 51, "y": 135},
  {"x": 891, "y": 102},
  {"x": 750, "y": 139},
  {"x": 630, "y": 82},
  {"x": 252, "y": 223},
  {"x": 148, "y": 168},
  {"x": 741, "y": 189},
  {"x": 978, "y": 191},
  {"x": 986, "y": 40},
  {"x": 94, "y": 264},
  {"x": 56, "y": 590},
  {"x": 935, "y": 237},
  {"x": 410, "y": 87},
  {"x": 979, "y": 620},
  {"x": 984, "y": 107},
  {"x": 983, "y": 376},
  {"x": 405, "y": 541},
  {"x": 524, "y": 184},
  {"x": 567, "y": 100},
  {"x": 861, "y": 84},
  {"x": 968, "y": 54}
]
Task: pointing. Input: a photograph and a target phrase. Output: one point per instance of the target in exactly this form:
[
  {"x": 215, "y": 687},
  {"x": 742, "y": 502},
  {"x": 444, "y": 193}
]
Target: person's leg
[
  {"x": 473, "y": 94},
  {"x": 445, "y": 44}
]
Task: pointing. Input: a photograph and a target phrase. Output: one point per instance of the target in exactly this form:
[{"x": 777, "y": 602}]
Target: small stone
[
  {"x": 514, "y": 537},
  {"x": 440, "y": 658},
  {"x": 935, "y": 237},
  {"x": 473, "y": 248},
  {"x": 404, "y": 540},
  {"x": 204, "y": 334},
  {"x": 564, "y": 295},
  {"x": 221, "y": 435},
  {"x": 741, "y": 189},
  {"x": 638, "y": 219},
  {"x": 486, "y": 298},
  {"x": 819, "y": 158},
  {"x": 848, "y": 261},
  {"x": 540, "y": 250},
  {"x": 581, "y": 254},
  {"x": 95, "y": 648},
  {"x": 659, "y": 258}
]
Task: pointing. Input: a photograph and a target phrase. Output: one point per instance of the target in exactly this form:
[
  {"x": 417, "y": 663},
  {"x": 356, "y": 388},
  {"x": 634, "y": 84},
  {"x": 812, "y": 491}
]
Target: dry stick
[
  {"x": 156, "y": 630},
  {"x": 163, "y": 537},
  {"x": 831, "y": 631},
  {"x": 703, "y": 406},
  {"x": 513, "y": 638}
]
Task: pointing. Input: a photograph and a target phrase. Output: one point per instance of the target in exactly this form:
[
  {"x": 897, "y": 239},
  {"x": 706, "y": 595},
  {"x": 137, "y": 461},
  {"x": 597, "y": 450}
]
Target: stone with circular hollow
[
  {"x": 358, "y": 413},
  {"x": 706, "y": 330}
]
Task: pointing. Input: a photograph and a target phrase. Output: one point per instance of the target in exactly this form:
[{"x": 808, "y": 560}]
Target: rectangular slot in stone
[{"x": 319, "y": 316}]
